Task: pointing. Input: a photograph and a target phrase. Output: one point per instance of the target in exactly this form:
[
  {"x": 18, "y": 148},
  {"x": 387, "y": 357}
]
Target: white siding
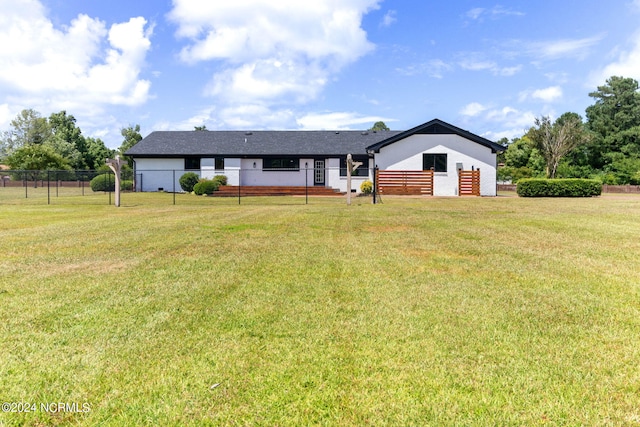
[{"x": 407, "y": 154}]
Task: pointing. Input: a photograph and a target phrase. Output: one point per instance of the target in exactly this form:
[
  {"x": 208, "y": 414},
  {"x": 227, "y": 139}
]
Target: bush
[
  {"x": 103, "y": 182},
  {"x": 366, "y": 187},
  {"x": 107, "y": 182},
  {"x": 206, "y": 186},
  {"x": 559, "y": 187},
  {"x": 126, "y": 185},
  {"x": 188, "y": 180},
  {"x": 221, "y": 179}
]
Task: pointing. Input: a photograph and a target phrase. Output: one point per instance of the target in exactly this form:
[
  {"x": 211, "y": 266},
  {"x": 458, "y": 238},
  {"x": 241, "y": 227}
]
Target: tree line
[
  {"x": 605, "y": 147},
  {"x": 34, "y": 142}
]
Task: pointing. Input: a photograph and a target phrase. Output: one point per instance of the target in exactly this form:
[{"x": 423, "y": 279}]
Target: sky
[{"x": 488, "y": 67}]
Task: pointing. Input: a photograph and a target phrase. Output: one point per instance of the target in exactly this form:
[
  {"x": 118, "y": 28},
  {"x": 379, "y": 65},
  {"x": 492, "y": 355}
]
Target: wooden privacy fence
[
  {"x": 404, "y": 182},
  {"x": 469, "y": 183}
]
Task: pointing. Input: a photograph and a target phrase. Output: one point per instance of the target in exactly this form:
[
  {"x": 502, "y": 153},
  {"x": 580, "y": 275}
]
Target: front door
[{"x": 318, "y": 172}]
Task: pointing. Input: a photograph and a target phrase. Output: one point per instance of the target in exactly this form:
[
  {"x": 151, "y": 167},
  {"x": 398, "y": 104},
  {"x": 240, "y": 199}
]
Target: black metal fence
[{"x": 243, "y": 186}]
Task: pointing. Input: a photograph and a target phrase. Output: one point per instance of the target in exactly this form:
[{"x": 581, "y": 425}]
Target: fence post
[
  {"x": 174, "y": 187},
  {"x": 306, "y": 183},
  {"x": 26, "y": 185},
  {"x": 375, "y": 183},
  {"x": 107, "y": 186},
  {"x": 48, "y": 187}
]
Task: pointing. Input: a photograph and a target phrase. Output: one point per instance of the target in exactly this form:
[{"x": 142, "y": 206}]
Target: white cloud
[
  {"x": 267, "y": 79},
  {"x": 549, "y": 94},
  {"x": 6, "y": 115},
  {"x": 626, "y": 65},
  {"x": 477, "y": 65},
  {"x": 475, "y": 13},
  {"x": 272, "y": 51},
  {"x": 260, "y": 116},
  {"x": 83, "y": 66},
  {"x": 473, "y": 109},
  {"x": 255, "y": 116},
  {"x": 474, "y": 64},
  {"x": 507, "y": 121},
  {"x": 389, "y": 19},
  {"x": 434, "y": 68},
  {"x": 509, "y": 71},
  {"x": 555, "y": 49},
  {"x": 339, "y": 121},
  {"x": 478, "y": 13}
]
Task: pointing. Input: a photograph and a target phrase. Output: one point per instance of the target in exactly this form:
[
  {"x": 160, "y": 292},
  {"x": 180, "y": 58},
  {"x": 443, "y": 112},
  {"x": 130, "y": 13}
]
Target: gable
[{"x": 436, "y": 127}]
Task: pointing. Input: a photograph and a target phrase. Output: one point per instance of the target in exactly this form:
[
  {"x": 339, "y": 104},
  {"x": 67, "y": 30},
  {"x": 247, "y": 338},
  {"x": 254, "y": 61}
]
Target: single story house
[{"x": 298, "y": 158}]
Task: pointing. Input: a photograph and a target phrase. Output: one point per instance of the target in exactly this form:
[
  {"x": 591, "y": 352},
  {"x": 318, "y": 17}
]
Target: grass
[{"x": 418, "y": 311}]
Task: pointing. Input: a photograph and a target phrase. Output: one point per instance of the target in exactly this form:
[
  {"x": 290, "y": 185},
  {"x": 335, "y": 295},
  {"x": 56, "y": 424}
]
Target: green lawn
[{"x": 417, "y": 311}]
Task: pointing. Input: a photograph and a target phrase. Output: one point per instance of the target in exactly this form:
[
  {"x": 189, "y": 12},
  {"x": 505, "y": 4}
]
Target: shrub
[
  {"x": 366, "y": 187},
  {"x": 221, "y": 179},
  {"x": 206, "y": 186},
  {"x": 107, "y": 182},
  {"x": 103, "y": 182},
  {"x": 559, "y": 187},
  {"x": 188, "y": 180},
  {"x": 126, "y": 185}
]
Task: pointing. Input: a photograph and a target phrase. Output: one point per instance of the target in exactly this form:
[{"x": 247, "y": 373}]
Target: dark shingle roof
[
  {"x": 256, "y": 143},
  {"x": 286, "y": 143}
]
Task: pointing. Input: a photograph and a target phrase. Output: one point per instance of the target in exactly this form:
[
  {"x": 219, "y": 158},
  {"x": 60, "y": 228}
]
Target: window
[
  {"x": 284, "y": 163},
  {"x": 212, "y": 162},
  {"x": 363, "y": 169},
  {"x": 435, "y": 162},
  {"x": 192, "y": 163},
  {"x": 219, "y": 163}
]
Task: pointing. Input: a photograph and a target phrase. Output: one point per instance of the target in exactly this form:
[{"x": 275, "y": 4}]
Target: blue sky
[{"x": 488, "y": 67}]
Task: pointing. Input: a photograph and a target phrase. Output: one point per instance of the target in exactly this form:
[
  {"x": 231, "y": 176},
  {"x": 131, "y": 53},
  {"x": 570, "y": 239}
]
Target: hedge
[{"x": 574, "y": 187}]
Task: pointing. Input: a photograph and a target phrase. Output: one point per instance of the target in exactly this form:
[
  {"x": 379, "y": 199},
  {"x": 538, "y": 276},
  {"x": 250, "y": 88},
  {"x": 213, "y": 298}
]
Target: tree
[
  {"x": 131, "y": 136},
  {"x": 67, "y": 150},
  {"x": 556, "y": 140},
  {"x": 66, "y": 133},
  {"x": 27, "y": 128},
  {"x": 97, "y": 153},
  {"x": 379, "y": 126},
  {"x": 615, "y": 120},
  {"x": 203, "y": 127},
  {"x": 521, "y": 160},
  {"x": 36, "y": 158}
]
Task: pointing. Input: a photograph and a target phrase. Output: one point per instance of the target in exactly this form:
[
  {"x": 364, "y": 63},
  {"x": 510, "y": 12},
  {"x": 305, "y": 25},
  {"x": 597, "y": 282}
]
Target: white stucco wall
[
  {"x": 250, "y": 175},
  {"x": 152, "y": 174},
  {"x": 406, "y": 154},
  {"x": 334, "y": 179}
]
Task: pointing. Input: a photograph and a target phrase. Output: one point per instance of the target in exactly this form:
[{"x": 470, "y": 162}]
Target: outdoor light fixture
[{"x": 254, "y": 165}]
